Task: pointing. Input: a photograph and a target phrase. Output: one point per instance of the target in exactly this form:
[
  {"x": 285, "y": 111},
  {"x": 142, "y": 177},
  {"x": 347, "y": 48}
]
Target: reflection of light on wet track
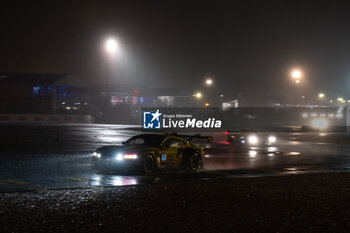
[
  {"x": 122, "y": 180},
  {"x": 111, "y": 139},
  {"x": 108, "y": 132},
  {"x": 252, "y": 153},
  {"x": 294, "y": 153},
  {"x": 113, "y": 180},
  {"x": 272, "y": 149},
  {"x": 111, "y": 136}
]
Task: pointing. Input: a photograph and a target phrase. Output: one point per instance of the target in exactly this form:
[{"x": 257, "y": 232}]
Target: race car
[
  {"x": 150, "y": 152},
  {"x": 245, "y": 140}
]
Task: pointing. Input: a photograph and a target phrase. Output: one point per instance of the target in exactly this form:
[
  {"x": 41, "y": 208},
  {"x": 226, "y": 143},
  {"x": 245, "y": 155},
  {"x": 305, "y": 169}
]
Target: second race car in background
[{"x": 248, "y": 140}]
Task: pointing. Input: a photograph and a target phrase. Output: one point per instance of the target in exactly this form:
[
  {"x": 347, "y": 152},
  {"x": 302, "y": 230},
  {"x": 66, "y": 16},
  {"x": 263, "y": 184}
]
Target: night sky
[{"x": 248, "y": 47}]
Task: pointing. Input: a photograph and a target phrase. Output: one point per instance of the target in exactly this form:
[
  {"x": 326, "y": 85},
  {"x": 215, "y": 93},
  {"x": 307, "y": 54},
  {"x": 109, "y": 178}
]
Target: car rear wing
[{"x": 195, "y": 136}]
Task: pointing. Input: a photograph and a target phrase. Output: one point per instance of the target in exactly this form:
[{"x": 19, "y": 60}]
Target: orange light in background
[{"x": 207, "y": 104}]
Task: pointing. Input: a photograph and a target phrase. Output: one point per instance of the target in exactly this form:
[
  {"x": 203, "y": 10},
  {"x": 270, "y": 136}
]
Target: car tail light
[{"x": 130, "y": 156}]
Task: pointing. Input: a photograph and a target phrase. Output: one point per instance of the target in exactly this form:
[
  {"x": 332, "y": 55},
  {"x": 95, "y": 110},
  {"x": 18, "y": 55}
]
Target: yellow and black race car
[{"x": 150, "y": 152}]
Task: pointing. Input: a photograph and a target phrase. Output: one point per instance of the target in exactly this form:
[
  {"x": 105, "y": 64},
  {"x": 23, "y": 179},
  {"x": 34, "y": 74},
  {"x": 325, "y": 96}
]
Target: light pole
[
  {"x": 208, "y": 83},
  {"x": 296, "y": 75},
  {"x": 111, "y": 46}
]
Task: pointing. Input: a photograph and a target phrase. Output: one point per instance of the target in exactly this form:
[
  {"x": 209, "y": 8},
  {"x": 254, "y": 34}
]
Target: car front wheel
[{"x": 149, "y": 164}]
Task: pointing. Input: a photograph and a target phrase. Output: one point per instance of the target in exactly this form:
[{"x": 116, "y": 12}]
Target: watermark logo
[
  {"x": 152, "y": 119},
  {"x": 180, "y": 119}
]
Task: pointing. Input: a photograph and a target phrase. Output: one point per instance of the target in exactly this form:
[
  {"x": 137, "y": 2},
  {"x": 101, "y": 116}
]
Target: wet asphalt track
[{"x": 59, "y": 157}]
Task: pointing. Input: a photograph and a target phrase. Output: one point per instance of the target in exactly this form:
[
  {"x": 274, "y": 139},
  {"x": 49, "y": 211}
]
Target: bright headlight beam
[
  {"x": 97, "y": 155},
  {"x": 272, "y": 139},
  {"x": 119, "y": 157},
  {"x": 253, "y": 139}
]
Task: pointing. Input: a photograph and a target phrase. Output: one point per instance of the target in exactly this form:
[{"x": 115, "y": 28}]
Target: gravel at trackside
[{"x": 296, "y": 203}]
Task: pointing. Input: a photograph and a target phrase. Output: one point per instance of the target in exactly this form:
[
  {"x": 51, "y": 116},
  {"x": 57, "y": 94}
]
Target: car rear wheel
[
  {"x": 194, "y": 162},
  {"x": 149, "y": 164}
]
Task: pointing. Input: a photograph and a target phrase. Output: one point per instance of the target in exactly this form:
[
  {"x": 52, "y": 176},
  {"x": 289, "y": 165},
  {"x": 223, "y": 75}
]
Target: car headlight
[
  {"x": 272, "y": 139},
  {"x": 97, "y": 155},
  {"x": 252, "y": 139},
  {"x": 119, "y": 157}
]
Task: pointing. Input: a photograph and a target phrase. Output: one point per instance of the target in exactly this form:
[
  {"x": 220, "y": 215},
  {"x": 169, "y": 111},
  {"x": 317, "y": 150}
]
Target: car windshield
[{"x": 149, "y": 140}]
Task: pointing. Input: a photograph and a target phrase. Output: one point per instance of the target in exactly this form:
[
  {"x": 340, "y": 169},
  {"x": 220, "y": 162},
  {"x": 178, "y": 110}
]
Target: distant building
[
  {"x": 42, "y": 93},
  {"x": 67, "y": 94},
  {"x": 123, "y": 103}
]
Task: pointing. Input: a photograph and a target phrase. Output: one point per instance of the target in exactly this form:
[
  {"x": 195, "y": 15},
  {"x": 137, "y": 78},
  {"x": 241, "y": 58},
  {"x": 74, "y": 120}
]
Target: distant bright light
[
  {"x": 321, "y": 95},
  {"x": 296, "y": 74},
  {"x": 272, "y": 139},
  {"x": 297, "y": 81},
  {"x": 331, "y": 115},
  {"x": 198, "y": 95},
  {"x": 207, "y": 104},
  {"x": 319, "y": 123},
  {"x": 252, "y": 139},
  {"x": 208, "y": 82},
  {"x": 111, "y": 45},
  {"x": 304, "y": 115},
  {"x": 340, "y": 99}
]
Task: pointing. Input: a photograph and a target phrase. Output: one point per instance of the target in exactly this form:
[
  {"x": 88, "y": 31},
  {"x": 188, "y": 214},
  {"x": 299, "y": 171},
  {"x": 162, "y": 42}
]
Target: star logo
[
  {"x": 156, "y": 115},
  {"x": 152, "y": 119}
]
